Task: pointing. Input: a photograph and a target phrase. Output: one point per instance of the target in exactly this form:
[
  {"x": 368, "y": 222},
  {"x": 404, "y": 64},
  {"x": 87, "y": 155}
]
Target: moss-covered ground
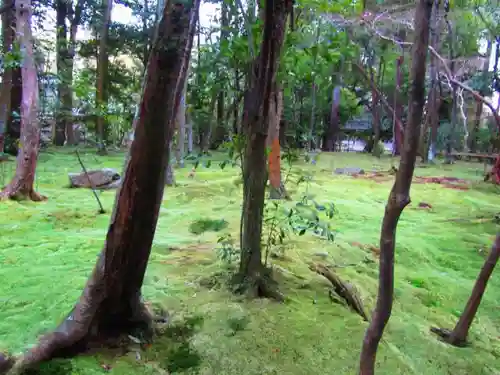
[{"x": 48, "y": 249}]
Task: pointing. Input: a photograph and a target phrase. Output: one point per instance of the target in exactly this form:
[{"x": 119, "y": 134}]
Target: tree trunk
[
  {"x": 111, "y": 303},
  {"x": 375, "y": 107},
  {"x": 11, "y": 86},
  {"x": 398, "y": 108},
  {"x": 256, "y": 123},
  {"x": 189, "y": 130},
  {"x": 458, "y": 337},
  {"x": 63, "y": 89},
  {"x": 6, "y": 97},
  {"x": 181, "y": 129},
  {"x": 102, "y": 76},
  {"x": 276, "y": 189},
  {"x": 454, "y": 102},
  {"x": 21, "y": 186},
  {"x": 399, "y": 196},
  {"x": 333, "y": 126},
  {"x": 479, "y": 104},
  {"x": 236, "y": 115}
]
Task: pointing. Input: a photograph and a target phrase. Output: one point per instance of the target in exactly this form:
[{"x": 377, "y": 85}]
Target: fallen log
[{"x": 344, "y": 290}]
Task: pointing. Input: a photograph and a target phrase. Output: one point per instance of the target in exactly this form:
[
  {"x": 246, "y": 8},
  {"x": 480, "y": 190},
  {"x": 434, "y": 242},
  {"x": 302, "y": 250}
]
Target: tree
[
  {"x": 399, "y": 196},
  {"x": 111, "y": 302},
  {"x": 102, "y": 74},
  {"x": 21, "y": 186},
  {"x": 11, "y": 83},
  {"x": 256, "y": 125},
  {"x": 65, "y": 48},
  {"x": 458, "y": 337}
]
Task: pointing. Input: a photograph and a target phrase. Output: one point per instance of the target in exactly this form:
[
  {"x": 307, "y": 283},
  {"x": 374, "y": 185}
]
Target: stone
[
  {"x": 350, "y": 171},
  {"x": 105, "y": 178}
]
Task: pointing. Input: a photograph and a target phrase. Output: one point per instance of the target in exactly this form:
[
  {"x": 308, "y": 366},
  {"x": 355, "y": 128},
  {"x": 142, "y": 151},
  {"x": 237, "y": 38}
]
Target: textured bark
[
  {"x": 276, "y": 187},
  {"x": 458, "y": 337},
  {"x": 256, "y": 123},
  {"x": 111, "y": 303},
  {"x": 454, "y": 97},
  {"x": 21, "y": 186},
  {"x": 399, "y": 196},
  {"x": 102, "y": 75},
  {"x": 375, "y": 104}
]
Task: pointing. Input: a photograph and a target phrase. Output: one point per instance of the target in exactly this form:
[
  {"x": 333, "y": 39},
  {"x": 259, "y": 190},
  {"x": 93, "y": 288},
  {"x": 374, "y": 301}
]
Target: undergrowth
[{"x": 48, "y": 250}]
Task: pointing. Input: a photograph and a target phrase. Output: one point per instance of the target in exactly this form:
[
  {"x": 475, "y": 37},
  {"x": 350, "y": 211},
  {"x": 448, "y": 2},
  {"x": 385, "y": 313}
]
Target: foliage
[{"x": 204, "y": 225}]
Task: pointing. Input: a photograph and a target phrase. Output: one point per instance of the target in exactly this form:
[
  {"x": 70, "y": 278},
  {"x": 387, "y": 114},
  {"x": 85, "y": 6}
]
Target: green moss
[{"x": 47, "y": 251}]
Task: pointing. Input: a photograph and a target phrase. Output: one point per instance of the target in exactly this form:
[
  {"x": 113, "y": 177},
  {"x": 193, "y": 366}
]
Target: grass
[{"x": 48, "y": 249}]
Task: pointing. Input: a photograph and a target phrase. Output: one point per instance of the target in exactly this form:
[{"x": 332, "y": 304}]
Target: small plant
[
  {"x": 227, "y": 251},
  {"x": 204, "y": 225},
  {"x": 378, "y": 149}
]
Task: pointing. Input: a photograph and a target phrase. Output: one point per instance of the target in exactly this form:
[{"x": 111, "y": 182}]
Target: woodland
[{"x": 223, "y": 187}]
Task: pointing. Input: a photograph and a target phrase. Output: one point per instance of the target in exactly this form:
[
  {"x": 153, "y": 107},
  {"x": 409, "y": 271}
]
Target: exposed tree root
[
  {"x": 17, "y": 193},
  {"x": 446, "y": 336},
  {"x": 260, "y": 286},
  {"x": 342, "y": 289},
  {"x": 280, "y": 193}
]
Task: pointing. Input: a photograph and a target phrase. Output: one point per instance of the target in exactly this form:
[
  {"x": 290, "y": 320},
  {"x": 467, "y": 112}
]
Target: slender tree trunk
[
  {"x": 181, "y": 129},
  {"x": 61, "y": 57},
  {"x": 11, "y": 86},
  {"x": 458, "y": 337},
  {"x": 312, "y": 123},
  {"x": 331, "y": 134},
  {"x": 375, "y": 106},
  {"x": 21, "y": 186},
  {"x": 236, "y": 112},
  {"x": 111, "y": 303},
  {"x": 256, "y": 124},
  {"x": 454, "y": 98},
  {"x": 479, "y": 104},
  {"x": 399, "y": 196},
  {"x": 102, "y": 76},
  {"x": 6, "y": 97},
  {"x": 398, "y": 107},
  {"x": 189, "y": 131}
]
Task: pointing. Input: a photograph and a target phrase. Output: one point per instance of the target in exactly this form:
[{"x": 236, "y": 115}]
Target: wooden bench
[{"x": 471, "y": 155}]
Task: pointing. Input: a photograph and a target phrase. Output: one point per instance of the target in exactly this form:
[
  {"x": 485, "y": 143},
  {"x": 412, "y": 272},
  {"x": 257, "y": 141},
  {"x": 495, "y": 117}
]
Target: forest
[{"x": 320, "y": 194}]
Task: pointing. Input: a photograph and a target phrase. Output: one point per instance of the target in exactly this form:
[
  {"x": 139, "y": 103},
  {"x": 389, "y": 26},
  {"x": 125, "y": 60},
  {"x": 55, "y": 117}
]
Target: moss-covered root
[
  {"x": 261, "y": 285},
  {"x": 446, "y": 336}
]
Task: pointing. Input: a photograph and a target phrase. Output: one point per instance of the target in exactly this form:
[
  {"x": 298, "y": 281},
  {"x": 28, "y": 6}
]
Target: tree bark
[
  {"x": 11, "y": 86},
  {"x": 256, "y": 123},
  {"x": 398, "y": 108},
  {"x": 331, "y": 134},
  {"x": 454, "y": 102},
  {"x": 21, "y": 186},
  {"x": 399, "y": 196},
  {"x": 6, "y": 97},
  {"x": 111, "y": 303},
  {"x": 458, "y": 337},
  {"x": 277, "y": 188},
  {"x": 102, "y": 76},
  {"x": 181, "y": 129},
  {"x": 375, "y": 104}
]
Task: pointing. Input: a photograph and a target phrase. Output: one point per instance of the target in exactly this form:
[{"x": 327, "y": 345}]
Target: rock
[
  {"x": 321, "y": 254},
  {"x": 105, "y": 178},
  {"x": 424, "y": 205},
  {"x": 349, "y": 171}
]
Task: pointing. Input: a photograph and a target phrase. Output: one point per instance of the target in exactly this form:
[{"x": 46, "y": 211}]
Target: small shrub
[
  {"x": 227, "y": 251},
  {"x": 378, "y": 149},
  {"x": 204, "y": 225}
]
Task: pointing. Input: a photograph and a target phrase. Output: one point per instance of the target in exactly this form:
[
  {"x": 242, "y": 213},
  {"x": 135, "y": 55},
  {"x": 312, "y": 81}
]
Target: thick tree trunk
[
  {"x": 111, "y": 305},
  {"x": 256, "y": 123},
  {"x": 458, "y": 337},
  {"x": 102, "y": 76},
  {"x": 276, "y": 188},
  {"x": 399, "y": 196},
  {"x": 21, "y": 186}
]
